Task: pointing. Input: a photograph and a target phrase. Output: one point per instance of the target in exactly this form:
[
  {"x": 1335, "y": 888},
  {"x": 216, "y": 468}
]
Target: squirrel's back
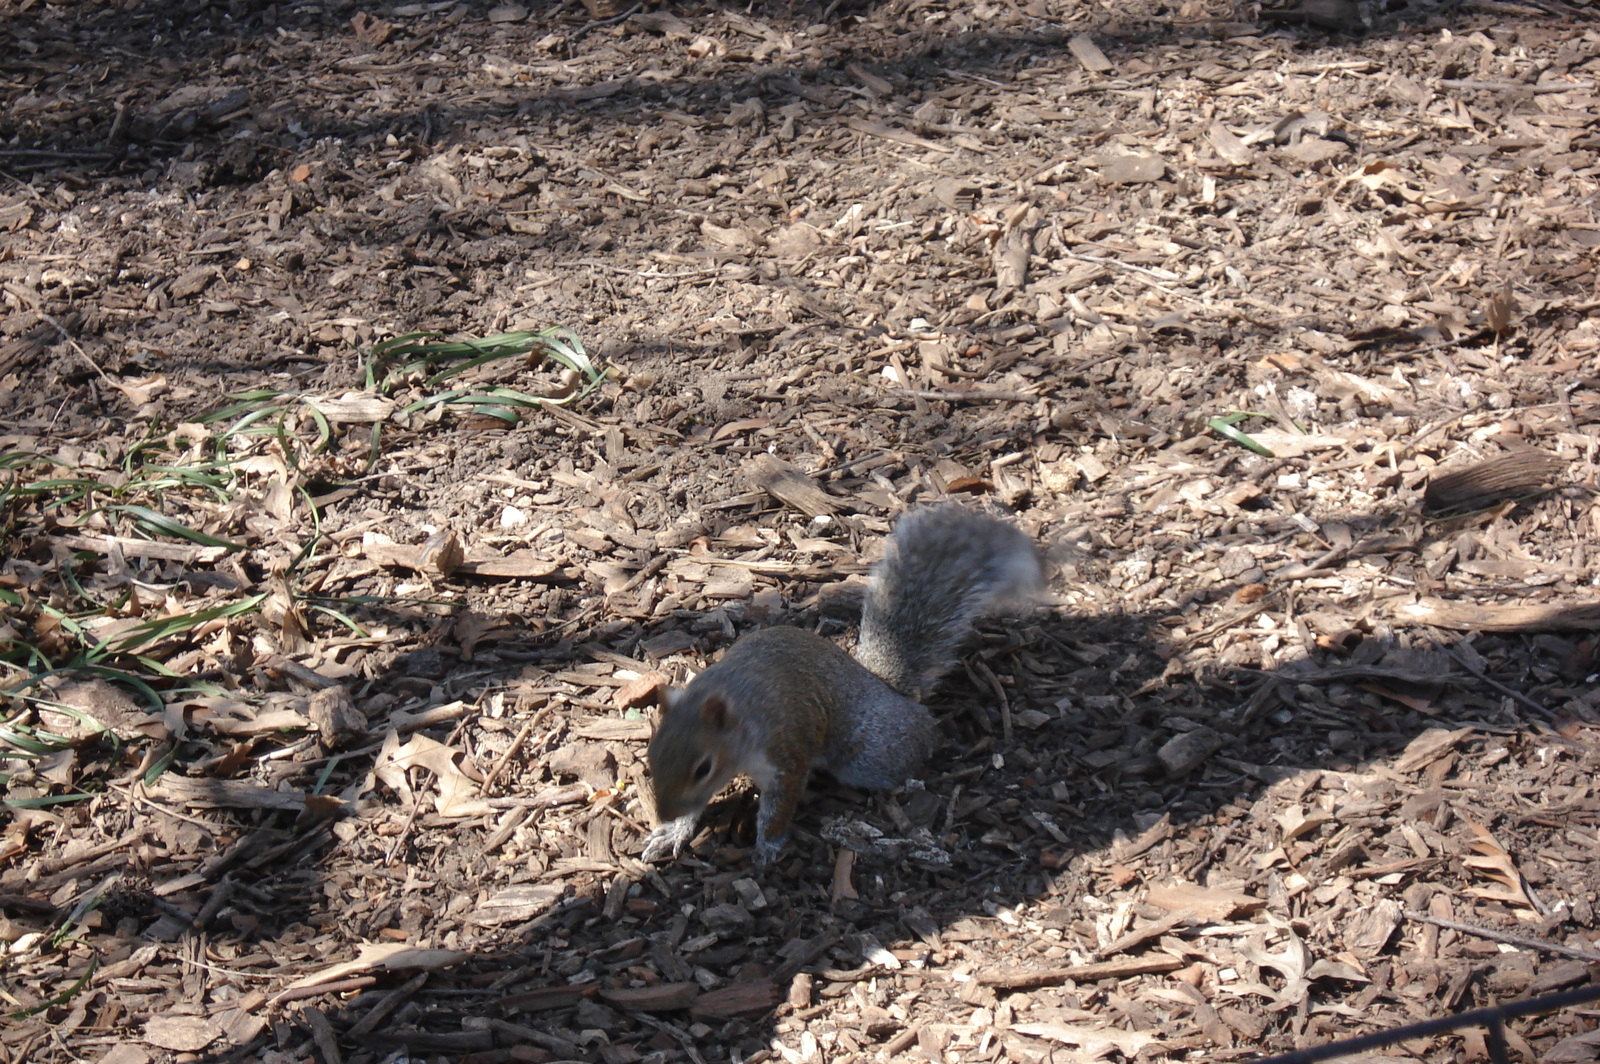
[{"x": 944, "y": 567}]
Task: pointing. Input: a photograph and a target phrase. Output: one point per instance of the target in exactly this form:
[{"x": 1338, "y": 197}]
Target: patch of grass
[
  {"x": 272, "y": 414},
  {"x": 425, "y": 362},
  {"x": 234, "y": 481}
]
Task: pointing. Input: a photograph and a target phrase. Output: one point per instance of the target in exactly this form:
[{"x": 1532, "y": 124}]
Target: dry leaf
[
  {"x": 873, "y": 83},
  {"x": 1094, "y": 1041},
  {"x": 734, "y": 428},
  {"x": 748, "y": 998},
  {"x": 141, "y": 390},
  {"x": 1502, "y": 307},
  {"x": 642, "y": 690},
  {"x": 516, "y": 904},
  {"x": 470, "y": 629},
  {"x": 1286, "y": 444},
  {"x": 662, "y": 997},
  {"x": 1131, "y": 169},
  {"x": 227, "y": 794},
  {"x": 1292, "y": 963},
  {"x": 370, "y": 29},
  {"x": 1337, "y": 384},
  {"x": 108, "y": 707},
  {"x": 1011, "y": 256},
  {"x": 1429, "y": 747},
  {"x": 281, "y": 610},
  {"x": 1484, "y": 483},
  {"x": 727, "y": 238},
  {"x": 351, "y": 408},
  {"x": 384, "y": 957},
  {"x": 1086, "y": 52},
  {"x": 1424, "y": 706},
  {"x": 181, "y": 1034},
  {"x": 458, "y": 793},
  {"x": 1230, "y": 147},
  {"x": 1296, "y": 822},
  {"x": 233, "y": 716},
  {"x": 663, "y": 22},
  {"x": 1207, "y": 903},
  {"x": 336, "y": 717},
  {"x": 440, "y": 554},
  {"x": 613, "y": 729},
  {"x": 1369, "y": 931},
  {"x": 1494, "y": 862}
]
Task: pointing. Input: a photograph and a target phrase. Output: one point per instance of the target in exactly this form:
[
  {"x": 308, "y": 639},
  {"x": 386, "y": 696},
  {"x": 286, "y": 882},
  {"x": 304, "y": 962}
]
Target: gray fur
[{"x": 943, "y": 568}]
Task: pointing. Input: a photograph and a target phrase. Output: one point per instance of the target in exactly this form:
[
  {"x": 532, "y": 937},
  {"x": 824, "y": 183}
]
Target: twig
[
  {"x": 679, "y": 1035},
  {"x": 645, "y": 274},
  {"x": 515, "y": 819},
  {"x": 594, "y": 24},
  {"x": 1503, "y": 936},
  {"x": 341, "y": 986},
  {"x": 1515, "y": 86},
  {"x": 512, "y": 750},
  {"x": 416, "y": 807},
  {"x": 1105, "y": 260},
  {"x": 1490, "y": 1017},
  {"x": 47, "y": 153},
  {"x": 1259, "y": 606},
  {"x": 625, "y": 818},
  {"x": 51, "y": 866},
  {"x": 1516, "y": 696},
  {"x": 989, "y": 678},
  {"x": 968, "y": 397},
  {"x": 81, "y": 352},
  {"x": 845, "y": 467},
  {"x": 387, "y": 1004},
  {"x": 137, "y": 797}
]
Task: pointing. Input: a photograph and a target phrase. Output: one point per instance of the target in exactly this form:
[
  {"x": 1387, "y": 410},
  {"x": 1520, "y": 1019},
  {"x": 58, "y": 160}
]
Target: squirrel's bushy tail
[{"x": 943, "y": 568}]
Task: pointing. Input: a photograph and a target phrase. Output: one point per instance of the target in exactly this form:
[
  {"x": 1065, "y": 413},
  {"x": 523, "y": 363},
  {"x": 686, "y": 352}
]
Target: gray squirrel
[{"x": 783, "y": 701}]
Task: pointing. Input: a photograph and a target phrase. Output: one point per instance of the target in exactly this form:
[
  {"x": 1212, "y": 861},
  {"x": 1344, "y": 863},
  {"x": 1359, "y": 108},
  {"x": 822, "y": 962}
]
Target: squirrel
[{"x": 783, "y": 701}]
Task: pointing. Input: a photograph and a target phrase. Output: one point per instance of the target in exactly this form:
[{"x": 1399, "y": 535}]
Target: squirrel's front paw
[
  {"x": 668, "y": 840},
  {"x": 767, "y": 851}
]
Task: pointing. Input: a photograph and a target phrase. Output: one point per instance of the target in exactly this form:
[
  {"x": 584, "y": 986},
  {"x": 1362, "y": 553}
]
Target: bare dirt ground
[{"x": 1316, "y": 681}]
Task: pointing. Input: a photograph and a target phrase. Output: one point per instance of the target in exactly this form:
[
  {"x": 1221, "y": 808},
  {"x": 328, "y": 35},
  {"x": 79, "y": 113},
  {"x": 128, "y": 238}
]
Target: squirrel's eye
[{"x": 702, "y": 770}]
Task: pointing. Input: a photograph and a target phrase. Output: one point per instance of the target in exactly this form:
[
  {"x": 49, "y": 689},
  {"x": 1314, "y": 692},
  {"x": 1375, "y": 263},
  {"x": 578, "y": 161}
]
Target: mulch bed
[{"x": 1278, "y": 328}]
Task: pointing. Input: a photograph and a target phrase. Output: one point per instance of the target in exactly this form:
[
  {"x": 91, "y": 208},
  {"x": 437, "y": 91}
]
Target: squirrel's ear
[
  {"x": 667, "y": 697},
  {"x": 714, "y": 713}
]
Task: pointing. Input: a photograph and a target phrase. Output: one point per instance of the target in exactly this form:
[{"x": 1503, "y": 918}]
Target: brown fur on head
[{"x": 689, "y": 753}]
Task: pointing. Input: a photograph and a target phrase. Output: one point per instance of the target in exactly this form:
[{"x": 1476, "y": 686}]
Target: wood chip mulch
[{"x": 1278, "y": 326}]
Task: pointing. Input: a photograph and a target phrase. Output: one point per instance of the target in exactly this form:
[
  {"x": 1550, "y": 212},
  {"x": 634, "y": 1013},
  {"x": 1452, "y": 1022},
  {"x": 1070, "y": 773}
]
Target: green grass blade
[
  {"x": 160, "y": 524},
  {"x": 344, "y": 619},
  {"x": 46, "y": 800},
  {"x": 153, "y": 631},
  {"x": 324, "y": 430},
  {"x": 62, "y": 998},
  {"x": 245, "y": 403},
  {"x": 25, "y": 744},
  {"x": 159, "y": 767},
  {"x": 1223, "y": 426}
]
